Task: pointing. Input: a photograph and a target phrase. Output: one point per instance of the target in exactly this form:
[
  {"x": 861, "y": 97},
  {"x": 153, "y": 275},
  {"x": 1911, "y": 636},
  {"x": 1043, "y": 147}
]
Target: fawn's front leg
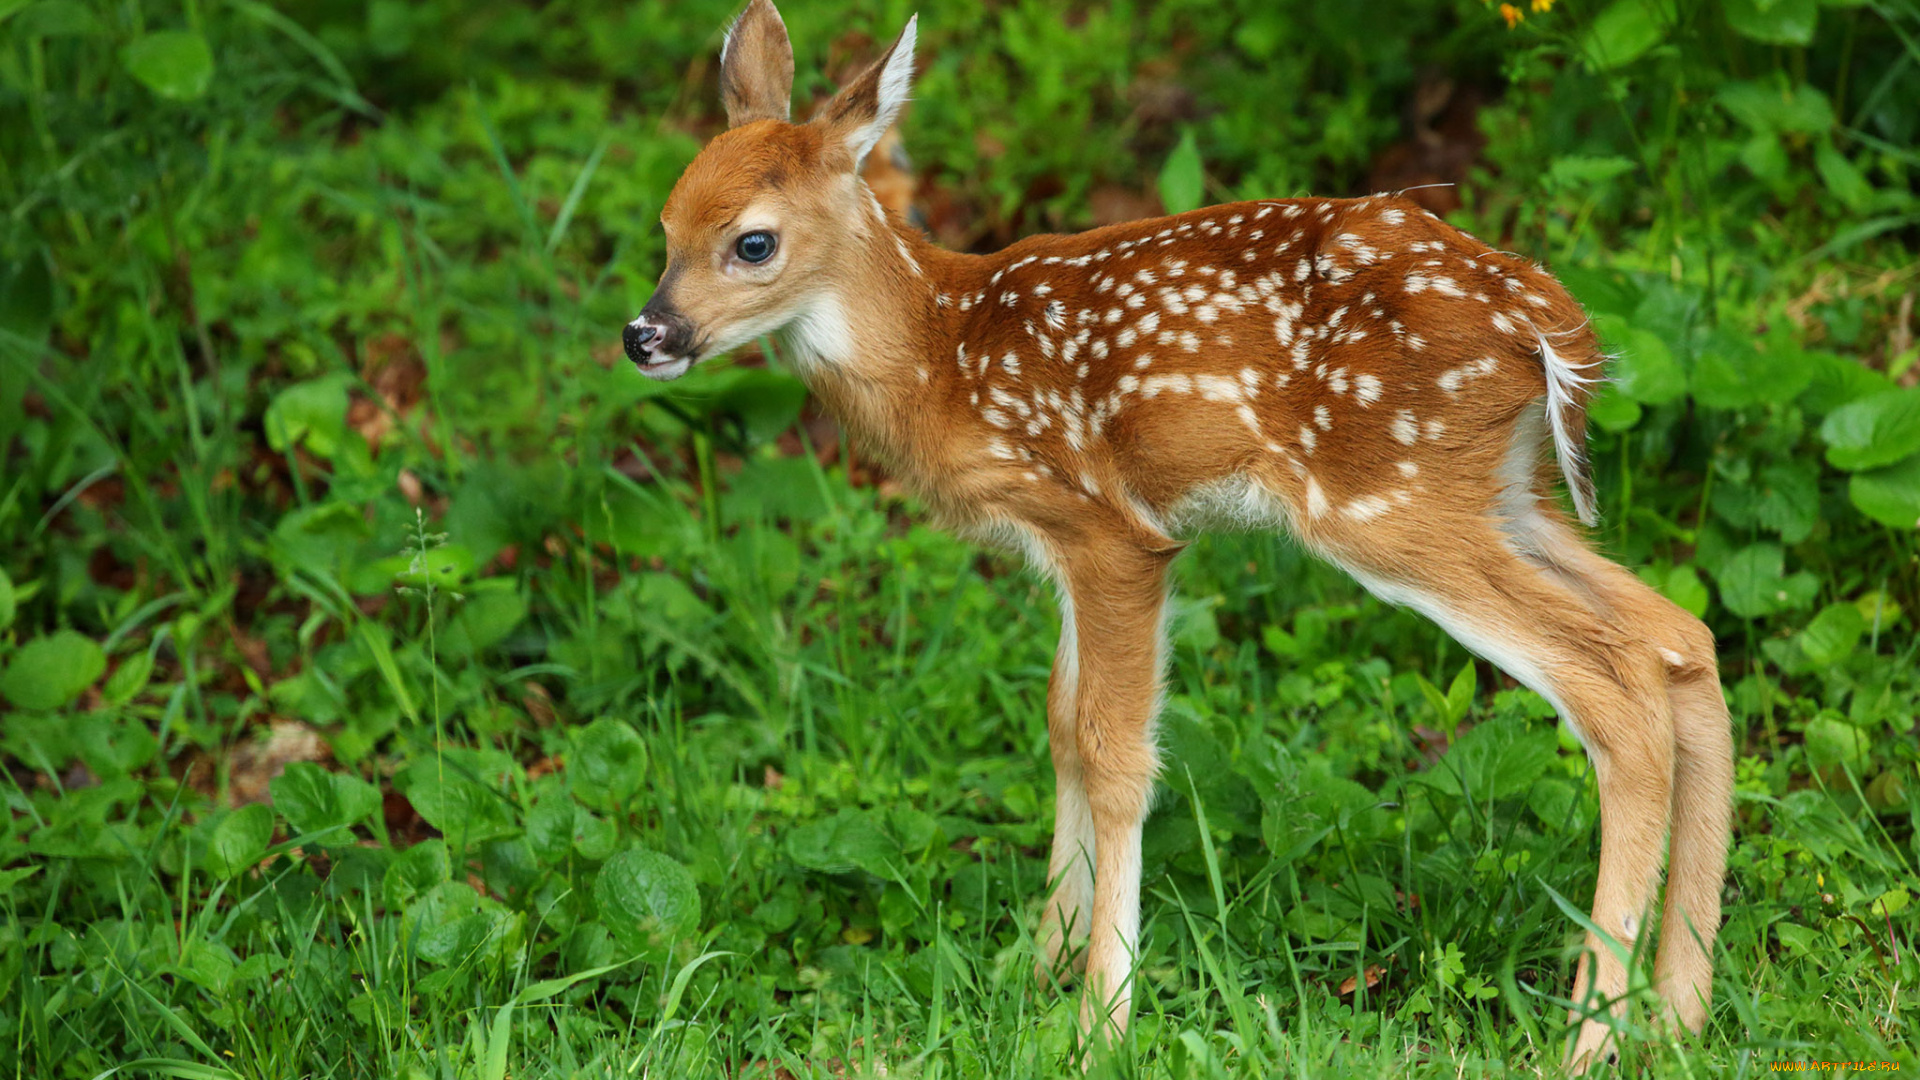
[
  {"x": 1070, "y": 866},
  {"x": 1118, "y": 593}
]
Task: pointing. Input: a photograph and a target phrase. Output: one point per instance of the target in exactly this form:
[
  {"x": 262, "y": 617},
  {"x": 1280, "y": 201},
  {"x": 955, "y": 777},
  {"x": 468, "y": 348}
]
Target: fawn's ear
[
  {"x": 756, "y": 67},
  {"x": 866, "y": 107}
]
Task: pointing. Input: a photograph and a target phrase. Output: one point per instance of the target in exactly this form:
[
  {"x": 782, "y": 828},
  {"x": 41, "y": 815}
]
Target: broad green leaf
[
  {"x": 1832, "y": 634},
  {"x": 1842, "y": 177},
  {"x": 549, "y": 827},
  {"x": 1182, "y": 180},
  {"x": 763, "y": 401},
  {"x": 113, "y": 746},
  {"x": 56, "y": 18},
  {"x": 313, "y": 799},
  {"x": 1460, "y": 694},
  {"x": 1878, "y": 609},
  {"x": 51, "y": 671},
  {"x": 313, "y": 413},
  {"x": 1777, "y": 107},
  {"x": 452, "y": 924},
  {"x": 1646, "y": 371},
  {"x": 10, "y": 878},
  {"x": 1575, "y": 171},
  {"x": 1832, "y": 741},
  {"x": 443, "y": 568},
  {"x": 1798, "y": 939},
  {"x": 849, "y": 840},
  {"x": 1436, "y": 701},
  {"x": 1874, "y": 431},
  {"x": 485, "y": 620},
  {"x": 1494, "y": 760},
  {"x": 418, "y": 870},
  {"x": 608, "y": 763},
  {"x": 1775, "y": 22},
  {"x": 1838, "y": 380},
  {"x": 1753, "y": 583},
  {"x": 647, "y": 900},
  {"x": 239, "y": 840},
  {"x": 1891, "y": 495},
  {"x": 1624, "y": 32},
  {"x": 7, "y": 604},
  {"x": 465, "y": 812},
  {"x": 1782, "y": 498},
  {"x": 1730, "y": 371},
  {"x": 128, "y": 679},
  {"x": 1765, "y": 156},
  {"x": 1613, "y": 410},
  {"x": 174, "y": 64},
  {"x": 594, "y": 837},
  {"x": 1680, "y": 584}
]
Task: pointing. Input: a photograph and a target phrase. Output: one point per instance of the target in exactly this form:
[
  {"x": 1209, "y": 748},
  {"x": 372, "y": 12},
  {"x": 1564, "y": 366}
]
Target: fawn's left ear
[{"x": 866, "y": 107}]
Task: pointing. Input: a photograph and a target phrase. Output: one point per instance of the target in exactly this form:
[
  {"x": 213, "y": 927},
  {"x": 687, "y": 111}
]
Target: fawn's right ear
[{"x": 756, "y": 67}]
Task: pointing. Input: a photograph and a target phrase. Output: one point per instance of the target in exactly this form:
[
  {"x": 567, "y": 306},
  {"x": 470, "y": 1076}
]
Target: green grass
[{"x": 656, "y": 738}]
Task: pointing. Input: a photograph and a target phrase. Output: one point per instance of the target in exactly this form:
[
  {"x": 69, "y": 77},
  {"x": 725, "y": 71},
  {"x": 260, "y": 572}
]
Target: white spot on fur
[
  {"x": 1316, "y": 499},
  {"x": 1366, "y": 389},
  {"x": 1366, "y": 508},
  {"x": 1405, "y": 428}
]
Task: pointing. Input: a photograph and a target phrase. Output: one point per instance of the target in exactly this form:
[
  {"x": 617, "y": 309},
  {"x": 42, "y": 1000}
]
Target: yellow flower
[
  {"x": 1542, "y": 6},
  {"x": 1512, "y": 14}
]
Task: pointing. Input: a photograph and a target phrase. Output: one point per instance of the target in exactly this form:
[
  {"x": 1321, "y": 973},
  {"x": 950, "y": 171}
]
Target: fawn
[{"x": 1377, "y": 383}]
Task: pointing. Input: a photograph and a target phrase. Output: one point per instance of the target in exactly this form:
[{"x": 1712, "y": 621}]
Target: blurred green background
[{"x": 396, "y": 684}]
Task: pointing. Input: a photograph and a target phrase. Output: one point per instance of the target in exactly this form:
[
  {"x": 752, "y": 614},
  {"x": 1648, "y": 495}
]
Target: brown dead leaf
[
  {"x": 251, "y": 766},
  {"x": 394, "y": 371},
  {"x": 1373, "y": 973},
  {"x": 538, "y": 703},
  {"x": 410, "y": 488}
]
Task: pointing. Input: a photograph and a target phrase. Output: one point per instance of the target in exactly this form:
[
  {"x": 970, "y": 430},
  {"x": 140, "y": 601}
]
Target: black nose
[{"x": 636, "y": 338}]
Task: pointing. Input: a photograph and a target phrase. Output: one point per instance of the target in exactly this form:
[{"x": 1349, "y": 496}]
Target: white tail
[{"x": 1353, "y": 371}]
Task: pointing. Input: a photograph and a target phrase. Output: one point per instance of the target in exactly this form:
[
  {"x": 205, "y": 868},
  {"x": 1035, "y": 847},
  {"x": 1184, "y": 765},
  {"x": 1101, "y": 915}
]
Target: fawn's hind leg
[
  {"x": 1118, "y": 589},
  {"x": 1604, "y": 677},
  {"x": 1070, "y": 866},
  {"x": 1702, "y": 806}
]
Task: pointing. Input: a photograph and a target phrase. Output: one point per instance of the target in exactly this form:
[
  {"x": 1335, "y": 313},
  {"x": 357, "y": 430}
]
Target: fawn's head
[{"x": 757, "y": 223}]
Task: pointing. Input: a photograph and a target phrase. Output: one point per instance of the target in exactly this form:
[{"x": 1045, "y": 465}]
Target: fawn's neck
[{"x": 869, "y": 347}]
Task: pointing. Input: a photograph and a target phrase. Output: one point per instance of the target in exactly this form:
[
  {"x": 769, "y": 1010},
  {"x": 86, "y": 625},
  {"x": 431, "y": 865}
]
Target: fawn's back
[{"x": 1348, "y": 358}]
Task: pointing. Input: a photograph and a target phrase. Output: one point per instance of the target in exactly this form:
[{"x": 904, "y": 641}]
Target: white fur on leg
[
  {"x": 1070, "y": 866},
  {"x": 1115, "y": 942}
]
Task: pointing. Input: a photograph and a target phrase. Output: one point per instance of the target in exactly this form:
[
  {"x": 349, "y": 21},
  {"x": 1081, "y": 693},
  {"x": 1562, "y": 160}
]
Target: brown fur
[{"x": 1355, "y": 371}]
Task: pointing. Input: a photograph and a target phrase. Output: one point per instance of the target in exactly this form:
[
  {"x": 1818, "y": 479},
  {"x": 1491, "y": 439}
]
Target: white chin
[{"x": 665, "y": 370}]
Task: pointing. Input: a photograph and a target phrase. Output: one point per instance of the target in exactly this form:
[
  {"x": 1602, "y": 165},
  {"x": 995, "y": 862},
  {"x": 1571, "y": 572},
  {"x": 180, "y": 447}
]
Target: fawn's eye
[{"x": 755, "y": 247}]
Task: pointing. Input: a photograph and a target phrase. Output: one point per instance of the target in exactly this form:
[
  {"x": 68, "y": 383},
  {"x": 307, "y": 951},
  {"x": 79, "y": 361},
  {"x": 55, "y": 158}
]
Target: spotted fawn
[{"x": 1396, "y": 396}]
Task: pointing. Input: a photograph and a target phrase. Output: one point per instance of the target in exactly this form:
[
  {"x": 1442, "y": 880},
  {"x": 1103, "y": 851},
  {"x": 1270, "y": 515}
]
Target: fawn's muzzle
[{"x": 637, "y": 338}]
